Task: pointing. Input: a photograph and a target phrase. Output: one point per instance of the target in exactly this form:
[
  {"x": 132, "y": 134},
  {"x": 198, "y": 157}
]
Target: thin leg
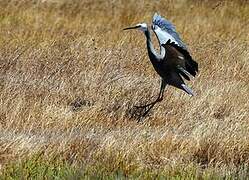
[
  {"x": 163, "y": 85},
  {"x": 159, "y": 98}
]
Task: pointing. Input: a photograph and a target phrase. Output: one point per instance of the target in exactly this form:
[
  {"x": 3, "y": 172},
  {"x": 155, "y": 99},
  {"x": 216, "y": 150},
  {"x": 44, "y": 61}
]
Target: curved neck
[{"x": 154, "y": 56}]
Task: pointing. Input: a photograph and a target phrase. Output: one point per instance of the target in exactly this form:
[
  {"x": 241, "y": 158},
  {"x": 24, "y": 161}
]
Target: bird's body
[{"x": 173, "y": 62}]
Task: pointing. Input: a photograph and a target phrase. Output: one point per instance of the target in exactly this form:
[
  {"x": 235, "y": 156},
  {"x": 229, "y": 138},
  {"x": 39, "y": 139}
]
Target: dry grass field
[{"x": 70, "y": 77}]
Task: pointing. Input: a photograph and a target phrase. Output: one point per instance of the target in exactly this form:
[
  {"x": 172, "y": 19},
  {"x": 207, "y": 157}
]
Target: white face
[{"x": 143, "y": 26}]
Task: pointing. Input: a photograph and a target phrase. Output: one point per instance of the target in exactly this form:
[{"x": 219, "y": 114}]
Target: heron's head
[{"x": 142, "y": 27}]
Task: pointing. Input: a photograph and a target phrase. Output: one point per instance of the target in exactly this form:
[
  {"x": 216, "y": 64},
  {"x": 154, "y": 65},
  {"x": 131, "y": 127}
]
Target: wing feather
[
  {"x": 191, "y": 65},
  {"x": 165, "y": 30},
  {"x": 185, "y": 65}
]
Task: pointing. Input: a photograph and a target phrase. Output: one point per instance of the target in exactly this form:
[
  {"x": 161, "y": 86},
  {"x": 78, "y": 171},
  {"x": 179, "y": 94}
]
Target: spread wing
[
  {"x": 180, "y": 59},
  {"x": 166, "y": 34},
  {"x": 178, "y": 64},
  {"x": 165, "y": 31},
  {"x": 176, "y": 58}
]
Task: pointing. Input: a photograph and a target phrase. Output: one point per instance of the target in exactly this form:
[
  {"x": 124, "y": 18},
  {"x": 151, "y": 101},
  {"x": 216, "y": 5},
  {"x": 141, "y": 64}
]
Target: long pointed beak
[{"x": 134, "y": 27}]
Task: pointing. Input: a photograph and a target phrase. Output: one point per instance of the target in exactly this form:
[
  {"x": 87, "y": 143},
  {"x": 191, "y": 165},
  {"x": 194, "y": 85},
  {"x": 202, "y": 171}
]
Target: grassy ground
[
  {"x": 38, "y": 168},
  {"x": 69, "y": 79}
]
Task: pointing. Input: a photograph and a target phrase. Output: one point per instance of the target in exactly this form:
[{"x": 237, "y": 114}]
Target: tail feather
[
  {"x": 187, "y": 89},
  {"x": 184, "y": 73}
]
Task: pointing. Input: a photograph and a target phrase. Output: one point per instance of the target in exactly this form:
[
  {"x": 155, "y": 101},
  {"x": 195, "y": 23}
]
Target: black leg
[
  {"x": 159, "y": 98},
  {"x": 163, "y": 85}
]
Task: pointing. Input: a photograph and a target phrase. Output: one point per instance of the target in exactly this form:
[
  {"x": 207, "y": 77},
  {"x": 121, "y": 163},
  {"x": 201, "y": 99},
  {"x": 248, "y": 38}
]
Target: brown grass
[{"x": 54, "y": 53}]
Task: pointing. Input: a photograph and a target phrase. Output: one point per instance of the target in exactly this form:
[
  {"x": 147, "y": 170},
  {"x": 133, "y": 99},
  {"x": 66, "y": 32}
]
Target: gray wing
[{"x": 165, "y": 31}]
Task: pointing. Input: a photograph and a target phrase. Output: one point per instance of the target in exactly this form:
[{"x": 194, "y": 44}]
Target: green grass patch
[{"x": 39, "y": 167}]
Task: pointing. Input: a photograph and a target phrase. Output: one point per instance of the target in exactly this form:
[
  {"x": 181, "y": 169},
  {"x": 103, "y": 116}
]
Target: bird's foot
[
  {"x": 159, "y": 99},
  {"x": 140, "y": 112},
  {"x": 150, "y": 105},
  {"x": 142, "y": 107}
]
